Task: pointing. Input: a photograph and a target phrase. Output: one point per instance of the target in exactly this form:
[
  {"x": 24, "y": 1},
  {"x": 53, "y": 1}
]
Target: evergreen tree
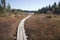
[
  {"x": 0, "y": 7},
  {"x": 59, "y": 5},
  {"x": 49, "y": 8},
  {"x": 8, "y": 7},
  {"x": 54, "y": 5},
  {"x": 3, "y": 4}
]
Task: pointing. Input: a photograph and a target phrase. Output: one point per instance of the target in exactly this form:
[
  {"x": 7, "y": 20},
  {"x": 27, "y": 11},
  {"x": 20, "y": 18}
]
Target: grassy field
[
  {"x": 8, "y": 26},
  {"x": 43, "y": 27}
]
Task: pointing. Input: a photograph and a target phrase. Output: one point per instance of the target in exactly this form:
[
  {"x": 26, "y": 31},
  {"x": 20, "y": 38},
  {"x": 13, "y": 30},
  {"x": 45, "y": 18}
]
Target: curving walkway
[{"x": 21, "y": 32}]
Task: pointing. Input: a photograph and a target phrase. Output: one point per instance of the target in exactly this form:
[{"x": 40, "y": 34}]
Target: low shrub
[
  {"x": 3, "y": 15},
  {"x": 49, "y": 16}
]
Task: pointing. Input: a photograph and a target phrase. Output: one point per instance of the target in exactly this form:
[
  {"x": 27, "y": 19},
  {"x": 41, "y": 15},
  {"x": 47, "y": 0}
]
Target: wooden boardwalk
[{"x": 21, "y": 35}]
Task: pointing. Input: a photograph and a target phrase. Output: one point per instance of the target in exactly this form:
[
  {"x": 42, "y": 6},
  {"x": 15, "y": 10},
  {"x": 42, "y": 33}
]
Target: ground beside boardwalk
[{"x": 43, "y": 27}]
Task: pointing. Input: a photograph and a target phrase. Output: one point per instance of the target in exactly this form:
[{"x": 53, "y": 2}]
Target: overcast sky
[{"x": 30, "y": 4}]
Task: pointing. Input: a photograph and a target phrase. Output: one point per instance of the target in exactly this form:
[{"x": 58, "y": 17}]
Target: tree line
[{"x": 55, "y": 9}]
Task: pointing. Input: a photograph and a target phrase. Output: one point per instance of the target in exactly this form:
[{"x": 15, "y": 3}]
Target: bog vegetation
[{"x": 9, "y": 20}]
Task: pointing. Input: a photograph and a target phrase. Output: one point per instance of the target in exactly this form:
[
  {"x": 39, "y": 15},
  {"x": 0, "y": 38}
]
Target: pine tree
[
  {"x": 8, "y": 7},
  {"x": 0, "y": 7},
  {"x": 59, "y": 5},
  {"x": 3, "y": 4},
  {"x": 49, "y": 8},
  {"x": 54, "y": 5}
]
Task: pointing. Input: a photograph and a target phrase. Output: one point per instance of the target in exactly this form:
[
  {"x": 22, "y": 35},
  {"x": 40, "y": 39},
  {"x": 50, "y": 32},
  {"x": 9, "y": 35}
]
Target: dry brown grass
[
  {"x": 8, "y": 26},
  {"x": 39, "y": 27}
]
